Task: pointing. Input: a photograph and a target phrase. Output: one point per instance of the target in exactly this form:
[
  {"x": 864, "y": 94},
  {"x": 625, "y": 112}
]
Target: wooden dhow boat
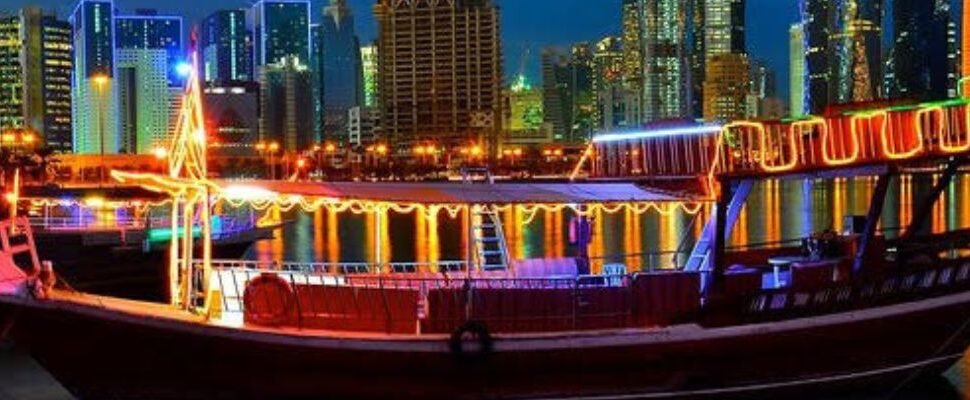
[{"x": 854, "y": 310}]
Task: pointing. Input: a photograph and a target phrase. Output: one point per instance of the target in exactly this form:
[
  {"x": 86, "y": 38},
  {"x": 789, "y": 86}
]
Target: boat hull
[{"x": 97, "y": 353}]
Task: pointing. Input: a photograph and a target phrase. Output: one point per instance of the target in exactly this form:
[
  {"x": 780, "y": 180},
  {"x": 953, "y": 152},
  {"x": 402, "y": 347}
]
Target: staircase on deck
[{"x": 490, "y": 246}]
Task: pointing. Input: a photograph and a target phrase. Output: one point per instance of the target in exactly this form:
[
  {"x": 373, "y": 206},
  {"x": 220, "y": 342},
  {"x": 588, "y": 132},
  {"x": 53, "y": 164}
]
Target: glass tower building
[
  {"x": 924, "y": 50},
  {"x": 148, "y": 30},
  {"x": 340, "y": 66},
  {"x": 225, "y": 47},
  {"x": 664, "y": 38},
  {"x": 95, "y": 108},
  {"x": 281, "y": 28}
]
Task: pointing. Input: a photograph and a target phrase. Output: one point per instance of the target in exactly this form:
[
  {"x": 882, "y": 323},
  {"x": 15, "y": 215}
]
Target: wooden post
[{"x": 876, "y": 204}]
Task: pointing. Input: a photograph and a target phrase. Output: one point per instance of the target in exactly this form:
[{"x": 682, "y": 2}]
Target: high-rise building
[
  {"x": 856, "y": 44},
  {"x": 95, "y": 106},
  {"x": 225, "y": 46},
  {"x": 143, "y": 98},
  {"x": 557, "y": 93},
  {"x": 609, "y": 81},
  {"x": 726, "y": 87},
  {"x": 440, "y": 72},
  {"x": 717, "y": 27},
  {"x": 148, "y": 30},
  {"x": 281, "y": 28},
  {"x": 924, "y": 50},
  {"x": 340, "y": 66},
  {"x": 666, "y": 75},
  {"x": 232, "y": 115},
  {"x": 583, "y": 85},
  {"x": 796, "y": 78},
  {"x": 286, "y": 105},
  {"x": 525, "y": 119},
  {"x": 817, "y": 25},
  {"x": 35, "y": 76},
  {"x": 965, "y": 41},
  {"x": 632, "y": 52},
  {"x": 368, "y": 64}
]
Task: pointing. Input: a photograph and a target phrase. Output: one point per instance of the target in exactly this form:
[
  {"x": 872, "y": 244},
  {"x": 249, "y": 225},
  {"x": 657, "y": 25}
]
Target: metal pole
[{"x": 377, "y": 239}]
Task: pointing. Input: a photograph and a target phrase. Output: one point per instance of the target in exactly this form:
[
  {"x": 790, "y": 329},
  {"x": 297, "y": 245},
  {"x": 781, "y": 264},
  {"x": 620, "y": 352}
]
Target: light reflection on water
[{"x": 776, "y": 211}]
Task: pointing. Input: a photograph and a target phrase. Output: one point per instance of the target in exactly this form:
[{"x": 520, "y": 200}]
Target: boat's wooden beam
[
  {"x": 876, "y": 205},
  {"x": 923, "y": 209}
]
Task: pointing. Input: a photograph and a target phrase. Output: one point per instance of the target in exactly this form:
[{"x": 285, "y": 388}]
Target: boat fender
[{"x": 471, "y": 340}]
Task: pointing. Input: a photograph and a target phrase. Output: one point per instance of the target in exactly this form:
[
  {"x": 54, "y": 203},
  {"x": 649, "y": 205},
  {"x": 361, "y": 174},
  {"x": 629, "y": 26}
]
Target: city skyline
[{"x": 532, "y": 24}]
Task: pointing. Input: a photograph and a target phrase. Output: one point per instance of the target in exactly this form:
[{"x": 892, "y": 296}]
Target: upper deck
[{"x": 899, "y": 134}]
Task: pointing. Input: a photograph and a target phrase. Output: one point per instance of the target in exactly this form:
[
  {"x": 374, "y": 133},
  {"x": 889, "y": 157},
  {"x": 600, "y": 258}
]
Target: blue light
[
  {"x": 183, "y": 69},
  {"x": 682, "y": 131}
]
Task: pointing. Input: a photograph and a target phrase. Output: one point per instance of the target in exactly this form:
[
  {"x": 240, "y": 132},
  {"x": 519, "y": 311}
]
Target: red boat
[{"x": 847, "y": 311}]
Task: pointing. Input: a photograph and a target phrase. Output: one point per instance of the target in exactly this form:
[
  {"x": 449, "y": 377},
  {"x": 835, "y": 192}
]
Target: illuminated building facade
[
  {"x": 225, "y": 47},
  {"x": 340, "y": 68},
  {"x": 148, "y": 49},
  {"x": 856, "y": 44},
  {"x": 796, "y": 78},
  {"x": 965, "y": 40},
  {"x": 664, "y": 38},
  {"x": 144, "y": 99},
  {"x": 584, "y": 96},
  {"x": 148, "y": 30},
  {"x": 924, "y": 50},
  {"x": 726, "y": 87},
  {"x": 281, "y": 28},
  {"x": 817, "y": 25},
  {"x": 525, "y": 117},
  {"x": 632, "y": 52},
  {"x": 286, "y": 105},
  {"x": 95, "y": 106},
  {"x": 35, "y": 76},
  {"x": 440, "y": 72},
  {"x": 368, "y": 63}
]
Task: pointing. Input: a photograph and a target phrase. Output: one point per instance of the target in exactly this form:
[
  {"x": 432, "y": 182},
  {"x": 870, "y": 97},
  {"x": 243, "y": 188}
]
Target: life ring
[
  {"x": 269, "y": 300},
  {"x": 474, "y": 333}
]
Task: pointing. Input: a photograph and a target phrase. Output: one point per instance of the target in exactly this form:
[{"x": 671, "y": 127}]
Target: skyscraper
[
  {"x": 817, "y": 17},
  {"x": 226, "y": 48},
  {"x": 856, "y": 44},
  {"x": 35, "y": 76},
  {"x": 632, "y": 52},
  {"x": 281, "y": 28},
  {"x": 286, "y": 104},
  {"x": 584, "y": 95},
  {"x": 726, "y": 87},
  {"x": 148, "y": 48},
  {"x": 95, "y": 108},
  {"x": 965, "y": 41},
  {"x": 340, "y": 66},
  {"x": 148, "y": 30},
  {"x": 718, "y": 27},
  {"x": 664, "y": 50},
  {"x": 368, "y": 63},
  {"x": 796, "y": 84},
  {"x": 440, "y": 72},
  {"x": 557, "y": 92},
  {"x": 923, "y": 50}
]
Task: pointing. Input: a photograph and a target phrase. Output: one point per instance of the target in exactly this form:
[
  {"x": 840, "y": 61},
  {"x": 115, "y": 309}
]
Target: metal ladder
[
  {"x": 491, "y": 248},
  {"x": 490, "y": 245}
]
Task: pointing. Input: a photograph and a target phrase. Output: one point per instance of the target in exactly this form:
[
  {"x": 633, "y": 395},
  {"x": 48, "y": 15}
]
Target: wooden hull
[{"x": 97, "y": 353}]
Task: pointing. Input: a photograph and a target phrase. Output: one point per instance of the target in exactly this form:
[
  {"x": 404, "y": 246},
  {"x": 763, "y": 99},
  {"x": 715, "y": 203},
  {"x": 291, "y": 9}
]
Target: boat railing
[
  {"x": 756, "y": 148},
  {"x": 228, "y": 224},
  {"x": 441, "y": 303},
  {"x": 340, "y": 268}
]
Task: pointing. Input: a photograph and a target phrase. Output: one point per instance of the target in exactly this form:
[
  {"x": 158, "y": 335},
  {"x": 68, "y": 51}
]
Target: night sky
[{"x": 525, "y": 24}]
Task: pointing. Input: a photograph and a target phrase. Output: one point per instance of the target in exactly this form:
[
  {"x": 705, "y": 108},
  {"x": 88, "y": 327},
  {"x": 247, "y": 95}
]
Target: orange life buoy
[{"x": 269, "y": 300}]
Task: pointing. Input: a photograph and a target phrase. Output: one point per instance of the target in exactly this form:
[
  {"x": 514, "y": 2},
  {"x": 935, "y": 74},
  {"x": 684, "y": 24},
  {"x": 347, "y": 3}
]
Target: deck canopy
[{"x": 456, "y": 193}]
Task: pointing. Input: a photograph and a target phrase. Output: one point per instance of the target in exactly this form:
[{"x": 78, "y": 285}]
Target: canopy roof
[{"x": 469, "y": 193}]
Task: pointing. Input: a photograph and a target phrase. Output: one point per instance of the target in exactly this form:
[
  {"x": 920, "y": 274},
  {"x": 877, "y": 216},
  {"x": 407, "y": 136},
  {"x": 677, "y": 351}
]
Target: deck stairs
[{"x": 490, "y": 246}]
